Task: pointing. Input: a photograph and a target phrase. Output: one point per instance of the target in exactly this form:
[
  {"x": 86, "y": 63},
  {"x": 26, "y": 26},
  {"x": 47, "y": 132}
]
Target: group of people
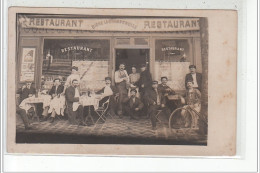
[{"x": 133, "y": 95}]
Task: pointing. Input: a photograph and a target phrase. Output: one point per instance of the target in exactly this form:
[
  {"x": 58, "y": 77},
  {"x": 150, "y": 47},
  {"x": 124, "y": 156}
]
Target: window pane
[
  {"x": 123, "y": 41},
  {"x": 141, "y": 41},
  {"x": 172, "y": 50},
  {"x": 88, "y": 54}
]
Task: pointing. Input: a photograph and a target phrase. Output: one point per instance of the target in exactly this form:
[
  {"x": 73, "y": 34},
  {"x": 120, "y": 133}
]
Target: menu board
[
  {"x": 28, "y": 64},
  {"x": 174, "y": 71},
  {"x": 92, "y": 74}
]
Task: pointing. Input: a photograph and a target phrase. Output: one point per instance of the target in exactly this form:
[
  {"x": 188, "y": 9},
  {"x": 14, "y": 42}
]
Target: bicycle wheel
[{"x": 177, "y": 121}]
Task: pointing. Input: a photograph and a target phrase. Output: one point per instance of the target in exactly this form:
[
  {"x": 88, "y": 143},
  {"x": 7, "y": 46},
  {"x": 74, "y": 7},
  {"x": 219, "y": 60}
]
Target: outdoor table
[
  {"x": 90, "y": 101},
  {"x": 29, "y": 102}
]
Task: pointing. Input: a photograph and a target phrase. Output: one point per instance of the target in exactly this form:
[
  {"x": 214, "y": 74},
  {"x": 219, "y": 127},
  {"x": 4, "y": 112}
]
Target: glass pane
[
  {"x": 123, "y": 41},
  {"x": 141, "y": 41},
  {"x": 87, "y": 54},
  {"x": 172, "y": 50}
]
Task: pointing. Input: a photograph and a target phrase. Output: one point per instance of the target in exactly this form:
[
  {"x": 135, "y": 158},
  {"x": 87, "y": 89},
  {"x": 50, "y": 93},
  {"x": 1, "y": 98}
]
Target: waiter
[{"x": 121, "y": 80}]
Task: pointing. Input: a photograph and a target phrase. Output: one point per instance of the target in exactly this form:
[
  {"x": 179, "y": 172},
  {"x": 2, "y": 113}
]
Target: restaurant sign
[{"x": 112, "y": 24}]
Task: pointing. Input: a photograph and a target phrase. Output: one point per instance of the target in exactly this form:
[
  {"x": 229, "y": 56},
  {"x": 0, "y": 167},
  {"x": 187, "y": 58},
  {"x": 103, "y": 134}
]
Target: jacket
[
  {"x": 145, "y": 79},
  {"x": 151, "y": 97},
  {"x": 198, "y": 77},
  {"x": 163, "y": 89},
  {"x": 24, "y": 93},
  {"x": 137, "y": 104},
  {"x": 70, "y": 95},
  {"x": 59, "y": 90}
]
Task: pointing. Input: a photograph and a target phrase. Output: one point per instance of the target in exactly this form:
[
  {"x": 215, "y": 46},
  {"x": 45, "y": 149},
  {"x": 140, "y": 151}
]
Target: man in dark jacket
[
  {"x": 156, "y": 101},
  {"x": 144, "y": 85},
  {"x": 26, "y": 91},
  {"x": 135, "y": 105},
  {"x": 72, "y": 97},
  {"x": 195, "y": 77},
  {"x": 109, "y": 92}
]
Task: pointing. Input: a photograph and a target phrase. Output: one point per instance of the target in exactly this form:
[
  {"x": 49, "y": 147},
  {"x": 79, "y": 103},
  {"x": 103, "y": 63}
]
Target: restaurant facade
[{"x": 49, "y": 45}]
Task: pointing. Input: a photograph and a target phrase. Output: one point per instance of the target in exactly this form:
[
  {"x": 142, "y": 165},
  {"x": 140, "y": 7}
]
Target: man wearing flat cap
[
  {"x": 156, "y": 101},
  {"x": 195, "y": 77},
  {"x": 135, "y": 105},
  {"x": 109, "y": 92}
]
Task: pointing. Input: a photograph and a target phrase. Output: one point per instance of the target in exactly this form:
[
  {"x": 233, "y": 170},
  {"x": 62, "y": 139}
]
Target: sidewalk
[{"x": 114, "y": 130}]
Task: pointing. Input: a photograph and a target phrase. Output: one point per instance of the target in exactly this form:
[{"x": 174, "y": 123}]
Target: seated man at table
[
  {"x": 26, "y": 91},
  {"x": 134, "y": 106},
  {"x": 166, "y": 91},
  {"x": 155, "y": 101},
  {"x": 109, "y": 92},
  {"x": 74, "y": 108},
  {"x": 24, "y": 118},
  {"x": 57, "y": 102}
]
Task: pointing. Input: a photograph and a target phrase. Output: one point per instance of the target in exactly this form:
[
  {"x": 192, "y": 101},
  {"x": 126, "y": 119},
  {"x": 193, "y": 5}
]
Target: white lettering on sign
[
  {"x": 66, "y": 49},
  {"x": 172, "y": 48}
]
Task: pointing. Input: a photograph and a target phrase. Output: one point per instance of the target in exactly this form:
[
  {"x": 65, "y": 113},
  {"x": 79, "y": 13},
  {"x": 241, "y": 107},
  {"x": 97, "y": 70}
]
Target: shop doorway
[{"x": 132, "y": 57}]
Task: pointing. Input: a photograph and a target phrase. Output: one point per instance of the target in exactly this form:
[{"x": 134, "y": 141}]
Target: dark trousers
[
  {"x": 73, "y": 114},
  {"x": 23, "y": 115},
  {"x": 152, "y": 111},
  {"x": 112, "y": 103},
  {"x": 132, "y": 112}
]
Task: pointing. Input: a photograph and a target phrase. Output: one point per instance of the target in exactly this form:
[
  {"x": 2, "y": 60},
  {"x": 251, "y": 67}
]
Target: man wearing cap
[
  {"x": 135, "y": 105},
  {"x": 195, "y": 77},
  {"x": 74, "y": 75},
  {"x": 155, "y": 100},
  {"x": 109, "y": 92},
  {"x": 121, "y": 80}
]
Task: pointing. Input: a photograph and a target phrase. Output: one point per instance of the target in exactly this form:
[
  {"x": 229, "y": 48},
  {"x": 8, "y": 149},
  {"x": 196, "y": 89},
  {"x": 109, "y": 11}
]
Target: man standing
[
  {"x": 74, "y": 75},
  {"x": 156, "y": 101},
  {"x": 134, "y": 105},
  {"x": 121, "y": 80},
  {"x": 195, "y": 77},
  {"x": 144, "y": 85},
  {"x": 74, "y": 108}
]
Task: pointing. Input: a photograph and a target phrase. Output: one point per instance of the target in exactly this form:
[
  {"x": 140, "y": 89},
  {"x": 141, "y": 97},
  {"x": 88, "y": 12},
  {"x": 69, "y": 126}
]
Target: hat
[
  {"x": 164, "y": 77},
  {"x": 133, "y": 90},
  {"x": 75, "y": 68},
  {"x": 143, "y": 65},
  {"x": 155, "y": 82},
  {"x": 192, "y": 66},
  {"x": 108, "y": 78}
]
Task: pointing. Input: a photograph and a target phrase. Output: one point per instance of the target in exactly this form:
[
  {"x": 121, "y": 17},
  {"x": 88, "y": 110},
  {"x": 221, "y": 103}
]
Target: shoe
[
  {"x": 52, "y": 120},
  {"x": 154, "y": 128}
]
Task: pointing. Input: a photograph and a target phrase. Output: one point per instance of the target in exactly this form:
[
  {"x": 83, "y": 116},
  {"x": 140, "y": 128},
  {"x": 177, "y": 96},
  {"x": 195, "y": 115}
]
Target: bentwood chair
[{"x": 102, "y": 111}]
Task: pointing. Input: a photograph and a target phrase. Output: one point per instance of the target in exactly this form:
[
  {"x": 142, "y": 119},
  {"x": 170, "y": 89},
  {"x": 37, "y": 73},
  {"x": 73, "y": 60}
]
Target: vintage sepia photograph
[{"x": 111, "y": 79}]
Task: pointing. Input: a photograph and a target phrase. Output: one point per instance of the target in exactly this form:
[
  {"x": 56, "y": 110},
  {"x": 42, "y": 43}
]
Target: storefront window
[
  {"x": 91, "y": 56},
  {"x": 172, "y": 59},
  {"x": 172, "y": 50}
]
